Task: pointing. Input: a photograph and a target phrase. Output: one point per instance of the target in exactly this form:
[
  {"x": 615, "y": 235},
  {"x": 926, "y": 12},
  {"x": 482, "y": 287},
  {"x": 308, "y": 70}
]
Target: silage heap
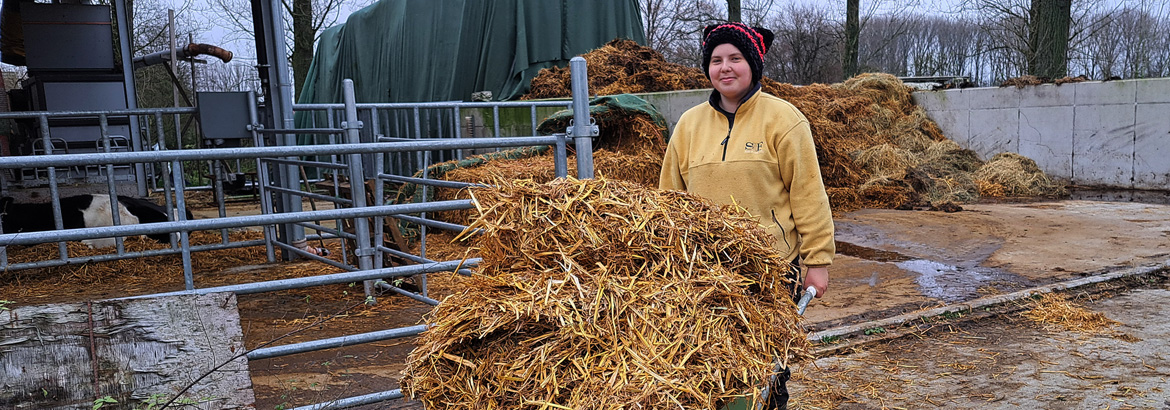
[{"x": 601, "y": 294}]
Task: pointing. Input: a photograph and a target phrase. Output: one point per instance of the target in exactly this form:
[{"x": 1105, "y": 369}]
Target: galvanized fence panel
[{"x": 384, "y": 143}]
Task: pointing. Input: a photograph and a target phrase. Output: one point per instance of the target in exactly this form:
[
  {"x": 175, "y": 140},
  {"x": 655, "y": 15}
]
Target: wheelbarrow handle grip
[{"x": 809, "y": 293}]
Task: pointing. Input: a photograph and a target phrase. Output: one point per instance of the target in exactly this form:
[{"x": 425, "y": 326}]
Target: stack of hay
[{"x": 604, "y": 294}]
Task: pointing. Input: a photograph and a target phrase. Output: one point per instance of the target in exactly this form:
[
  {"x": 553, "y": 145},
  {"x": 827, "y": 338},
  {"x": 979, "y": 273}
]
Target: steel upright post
[
  {"x": 357, "y": 186},
  {"x": 583, "y": 130}
]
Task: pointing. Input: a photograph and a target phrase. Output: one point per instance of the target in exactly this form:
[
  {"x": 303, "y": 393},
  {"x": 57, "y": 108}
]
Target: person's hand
[{"x": 817, "y": 278}]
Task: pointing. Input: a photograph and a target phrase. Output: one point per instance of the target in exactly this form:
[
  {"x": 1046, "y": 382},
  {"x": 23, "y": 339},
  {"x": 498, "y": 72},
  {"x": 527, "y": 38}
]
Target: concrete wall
[
  {"x": 1114, "y": 134},
  {"x": 672, "y": 104}
]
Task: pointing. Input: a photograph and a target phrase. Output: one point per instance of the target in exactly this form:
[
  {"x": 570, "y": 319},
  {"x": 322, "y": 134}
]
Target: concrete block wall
[{"x": 1112, "y": 134}]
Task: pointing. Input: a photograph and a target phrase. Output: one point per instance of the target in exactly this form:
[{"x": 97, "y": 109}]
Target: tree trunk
[
  {"x": 733, "y": 11},
  {"x": 852, "y": 34},
  {"x": 303, "y": 35},
  {"x": 1048, "y": 38}
]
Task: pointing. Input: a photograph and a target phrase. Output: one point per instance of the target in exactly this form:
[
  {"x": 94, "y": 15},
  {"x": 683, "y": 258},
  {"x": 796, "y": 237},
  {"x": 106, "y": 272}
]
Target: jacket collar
[{"x": 714, "y": 100}]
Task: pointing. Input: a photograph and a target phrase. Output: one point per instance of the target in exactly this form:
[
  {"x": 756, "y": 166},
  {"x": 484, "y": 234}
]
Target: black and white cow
[{"x": 82, "y": 211}]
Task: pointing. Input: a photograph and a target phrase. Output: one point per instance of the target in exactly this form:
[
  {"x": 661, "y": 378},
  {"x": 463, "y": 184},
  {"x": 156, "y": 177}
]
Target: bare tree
[
  {"x": 305, "y": 18},
  {"x": 806, "y": 49},
  {"x": 154, "y": 84},
  {"x": 1016, "y": 28},
  {"x": 234, "y": 76}
]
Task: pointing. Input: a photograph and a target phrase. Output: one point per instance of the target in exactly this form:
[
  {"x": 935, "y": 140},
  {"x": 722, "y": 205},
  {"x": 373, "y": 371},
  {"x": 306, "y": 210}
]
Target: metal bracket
[
  {"x": 594, "y": 130},
  {"x": 365, "y": 252},
  {"x": 345, "y": 125}
]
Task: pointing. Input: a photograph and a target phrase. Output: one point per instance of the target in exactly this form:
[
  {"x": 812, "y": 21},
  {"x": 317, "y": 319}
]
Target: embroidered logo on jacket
[{"x": 754, "y": 148}]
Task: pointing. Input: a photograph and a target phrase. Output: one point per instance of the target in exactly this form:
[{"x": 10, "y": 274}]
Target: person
[
  {"x": 746, "y": 147},
  {"x": 750, "y": 148}
]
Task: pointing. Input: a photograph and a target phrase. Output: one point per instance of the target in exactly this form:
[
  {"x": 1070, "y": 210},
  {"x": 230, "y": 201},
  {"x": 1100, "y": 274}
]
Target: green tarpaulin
[{"x": 422, "y": 51}]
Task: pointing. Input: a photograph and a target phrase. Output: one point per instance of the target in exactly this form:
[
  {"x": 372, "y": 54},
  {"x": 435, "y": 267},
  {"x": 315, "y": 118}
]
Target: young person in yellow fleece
[{"x": 756, "y": 150}]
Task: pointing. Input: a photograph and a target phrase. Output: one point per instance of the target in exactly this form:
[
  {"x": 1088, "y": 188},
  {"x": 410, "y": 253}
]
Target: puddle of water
[
  {"x": 936, "y": 280},
  {"x": 1120, "y": 195},
  {"x": 952, "y": 284}
]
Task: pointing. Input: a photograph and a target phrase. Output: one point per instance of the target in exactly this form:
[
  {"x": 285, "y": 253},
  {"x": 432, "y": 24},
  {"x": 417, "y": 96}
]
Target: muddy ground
[{"x": 889, "y": 263}]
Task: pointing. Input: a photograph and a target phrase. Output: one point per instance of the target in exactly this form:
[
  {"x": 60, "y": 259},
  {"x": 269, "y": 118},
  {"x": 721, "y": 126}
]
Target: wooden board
[{"x": 66, "y": 356}]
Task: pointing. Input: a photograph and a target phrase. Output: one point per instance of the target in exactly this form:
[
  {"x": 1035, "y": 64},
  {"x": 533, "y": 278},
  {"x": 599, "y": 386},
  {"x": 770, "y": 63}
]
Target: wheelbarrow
[{"x": 775, "y": 394}]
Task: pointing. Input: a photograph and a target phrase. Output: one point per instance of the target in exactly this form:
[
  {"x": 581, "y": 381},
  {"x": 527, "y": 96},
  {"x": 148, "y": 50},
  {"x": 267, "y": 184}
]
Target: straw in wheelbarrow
[{"x": 602, "y": 294}]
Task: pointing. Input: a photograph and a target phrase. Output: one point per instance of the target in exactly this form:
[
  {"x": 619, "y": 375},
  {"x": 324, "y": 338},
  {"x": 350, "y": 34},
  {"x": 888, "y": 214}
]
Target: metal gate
[{"x": 351, "y": 149}]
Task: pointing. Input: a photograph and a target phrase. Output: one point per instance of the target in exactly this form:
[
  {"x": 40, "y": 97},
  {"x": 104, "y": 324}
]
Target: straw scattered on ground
[
  {"x": 1054, "y": 310},
  {"x": 605, "y": 294}
]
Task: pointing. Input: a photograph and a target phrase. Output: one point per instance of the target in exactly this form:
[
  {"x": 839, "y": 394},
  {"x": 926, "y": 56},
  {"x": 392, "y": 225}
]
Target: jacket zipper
[
  {"x": 782, "y": 229},
  {"x": 724, "y": 144}
]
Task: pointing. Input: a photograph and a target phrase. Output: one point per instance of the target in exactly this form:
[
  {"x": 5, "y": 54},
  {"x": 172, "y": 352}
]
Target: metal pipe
[
  {"x": 434, "y": 224},
  {"x": 62, "y": 249},
  {"x": 262, "y": 178},
  {"x": 167, "y": 184},
  {"x": 115, "y": 217},
  {"x": 40, "y": 161},
  {"x": 355, "y": 401},
  {"x": 28, "y": 238},
  {"x": 313, "y": 131},
  {"x": 336, "y": 233},
  {"x": 94, "y": 113},
  {"x": 357, "y": 185},
  {"x": 317, "y": 164},
  {"x": 409, "y": 294},
  {"x": 560, "y": 156},
  {"x": 432, "y": 182},
  {"x": 122, "y": 14},
  {"x": 440, "y": 104},
  {"x": 319, "y": 280},
  {"x": 582, "y": 123},
  {"x": 341, "y": 201},
  {"x": 129, "y": 255},
  {"x": 181, "y": 218},
  {"x": 335, "y": 342},
  {"x": 417, "y": 259}
]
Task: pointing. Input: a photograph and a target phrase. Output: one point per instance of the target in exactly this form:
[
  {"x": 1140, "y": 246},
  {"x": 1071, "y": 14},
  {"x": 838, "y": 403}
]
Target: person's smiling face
[{"x": 729, "y": 72}]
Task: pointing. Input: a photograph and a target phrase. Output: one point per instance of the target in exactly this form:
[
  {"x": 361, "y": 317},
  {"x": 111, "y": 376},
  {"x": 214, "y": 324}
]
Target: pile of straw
[
  {"x": 1055, "y": 310},
  {"x": 876, "y": 148},
  {"x": 629, "y": 148},
  {"x": 620, "y": 67},
  {"x": 1010, "y": 174},
  {"x": 605, "y": 294}
]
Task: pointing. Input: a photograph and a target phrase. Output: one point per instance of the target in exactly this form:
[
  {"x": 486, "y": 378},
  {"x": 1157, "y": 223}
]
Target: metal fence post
[
  {"x": 357, "y": 186},
  {"x": 582, "y": 129}
]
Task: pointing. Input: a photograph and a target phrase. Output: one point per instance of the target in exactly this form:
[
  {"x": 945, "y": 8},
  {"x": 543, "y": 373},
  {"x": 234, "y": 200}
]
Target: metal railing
[{"x": 347, "y": 158}]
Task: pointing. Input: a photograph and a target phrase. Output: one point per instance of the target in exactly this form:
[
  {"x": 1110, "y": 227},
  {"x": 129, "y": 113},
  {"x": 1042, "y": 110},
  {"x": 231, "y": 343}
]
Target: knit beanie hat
[{"x": 752, "y": 42}]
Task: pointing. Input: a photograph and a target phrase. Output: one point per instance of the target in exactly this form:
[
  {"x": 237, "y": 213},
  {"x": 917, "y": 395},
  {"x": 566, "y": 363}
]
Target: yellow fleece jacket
[{"x": 763, "y": 159}]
